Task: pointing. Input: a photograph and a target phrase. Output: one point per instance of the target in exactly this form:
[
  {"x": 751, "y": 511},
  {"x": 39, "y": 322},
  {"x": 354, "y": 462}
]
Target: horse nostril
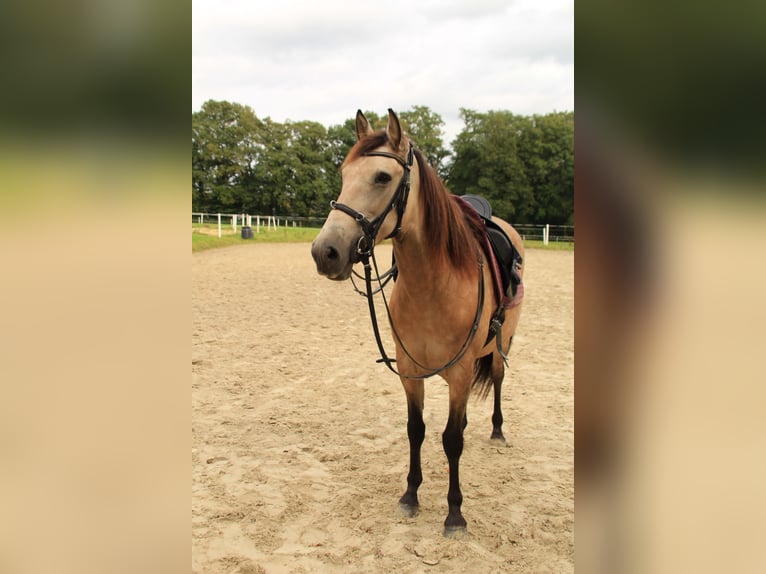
[{"x": 332, "y": 253}]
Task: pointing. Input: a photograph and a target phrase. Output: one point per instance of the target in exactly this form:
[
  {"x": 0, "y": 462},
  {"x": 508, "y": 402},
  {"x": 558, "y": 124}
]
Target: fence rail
[
  {"x": 256, "y": 222},
  {"x": 540, "y": 232},
  {"x": 545, "y": 232}
]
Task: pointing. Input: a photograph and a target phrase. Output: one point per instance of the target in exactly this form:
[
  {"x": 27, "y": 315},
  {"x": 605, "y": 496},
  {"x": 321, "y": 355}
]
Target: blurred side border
[
  {"x": 670, "y": 211},
  {"x": 94, "y": 181}
]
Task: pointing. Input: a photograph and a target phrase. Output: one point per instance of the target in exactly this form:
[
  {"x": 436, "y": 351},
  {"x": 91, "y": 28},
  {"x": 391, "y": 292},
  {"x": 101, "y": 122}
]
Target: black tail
[{"x": 483, "y": 380}]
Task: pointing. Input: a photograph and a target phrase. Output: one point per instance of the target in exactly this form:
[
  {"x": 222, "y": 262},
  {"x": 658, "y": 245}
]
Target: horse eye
[{"x": 382, "y": 177}]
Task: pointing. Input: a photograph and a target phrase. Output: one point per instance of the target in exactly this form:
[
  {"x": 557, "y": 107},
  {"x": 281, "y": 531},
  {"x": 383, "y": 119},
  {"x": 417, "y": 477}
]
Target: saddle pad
[{"x": 508, "y": 258}]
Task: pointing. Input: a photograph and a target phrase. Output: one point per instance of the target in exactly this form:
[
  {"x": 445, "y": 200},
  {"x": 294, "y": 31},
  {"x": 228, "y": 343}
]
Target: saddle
[{"x": 505, "y": 257}]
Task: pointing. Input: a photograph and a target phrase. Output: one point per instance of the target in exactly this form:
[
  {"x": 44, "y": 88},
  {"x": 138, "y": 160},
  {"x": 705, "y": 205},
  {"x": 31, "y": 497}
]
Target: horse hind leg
[
  {"x": 488, "y": 374},
  {"x": 498, "y": 374},
  {"x": 497, "y": 415}
]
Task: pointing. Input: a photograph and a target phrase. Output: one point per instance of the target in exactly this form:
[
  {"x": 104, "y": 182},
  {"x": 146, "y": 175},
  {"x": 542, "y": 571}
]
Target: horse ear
[
  {"x": 362, "y": 125},
  {"x": 394, "y": 129}
]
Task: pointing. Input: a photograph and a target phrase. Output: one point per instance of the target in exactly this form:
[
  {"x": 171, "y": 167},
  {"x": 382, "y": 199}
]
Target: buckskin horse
[{"x": 457, "y": 292}]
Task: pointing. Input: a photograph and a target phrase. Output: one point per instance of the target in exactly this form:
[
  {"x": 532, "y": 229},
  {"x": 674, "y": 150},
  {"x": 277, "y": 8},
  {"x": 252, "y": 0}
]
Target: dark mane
[{"x": 449, "y": 234}]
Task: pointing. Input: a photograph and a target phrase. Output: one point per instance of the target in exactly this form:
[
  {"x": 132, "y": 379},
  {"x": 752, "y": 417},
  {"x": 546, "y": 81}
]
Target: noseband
[{"x": 370, "y": 228}]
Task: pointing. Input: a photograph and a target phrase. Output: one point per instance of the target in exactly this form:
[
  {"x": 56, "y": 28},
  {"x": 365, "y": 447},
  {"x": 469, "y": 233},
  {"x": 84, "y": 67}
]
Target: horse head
[{"x": 372, "y": 198}]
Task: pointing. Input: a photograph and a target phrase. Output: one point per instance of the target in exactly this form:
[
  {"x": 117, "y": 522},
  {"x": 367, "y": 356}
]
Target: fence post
[
  {"x": 219, "y": 226},
  {"x": 257, "y": 223},
  {"x": 546, "y": 233}
]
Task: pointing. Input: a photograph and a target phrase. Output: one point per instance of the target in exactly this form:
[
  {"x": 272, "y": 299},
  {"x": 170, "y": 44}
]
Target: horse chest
[{"x": 430, "y": 322}]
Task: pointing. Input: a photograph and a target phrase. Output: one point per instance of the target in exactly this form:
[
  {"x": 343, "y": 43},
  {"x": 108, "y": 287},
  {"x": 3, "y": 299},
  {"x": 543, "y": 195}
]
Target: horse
[{"x": 442, "y": 323}]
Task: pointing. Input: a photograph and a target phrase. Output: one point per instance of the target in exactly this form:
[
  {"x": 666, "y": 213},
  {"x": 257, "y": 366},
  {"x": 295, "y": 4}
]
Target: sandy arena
[{"x": 299, "y": 439}]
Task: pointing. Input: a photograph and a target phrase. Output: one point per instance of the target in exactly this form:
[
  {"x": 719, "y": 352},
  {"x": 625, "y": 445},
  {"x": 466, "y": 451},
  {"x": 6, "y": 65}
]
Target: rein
[
  {"x": 388, "y": 361},
  {"x": 365, "y": 250}
]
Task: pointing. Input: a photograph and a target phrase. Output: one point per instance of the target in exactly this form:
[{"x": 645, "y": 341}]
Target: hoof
[
  {"x": 455, "y": 525},
  {"x": 497, "y": 437},
  {"x": 457, "y": 532},
  {"x": 408, "y": 510}
]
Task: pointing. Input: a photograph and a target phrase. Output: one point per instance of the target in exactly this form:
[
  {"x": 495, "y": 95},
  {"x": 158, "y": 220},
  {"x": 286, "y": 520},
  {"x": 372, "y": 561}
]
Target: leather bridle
[{"x": 370, "y": 228}]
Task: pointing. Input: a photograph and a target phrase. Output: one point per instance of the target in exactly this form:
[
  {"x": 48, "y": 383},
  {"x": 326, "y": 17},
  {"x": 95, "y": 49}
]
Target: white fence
[
  {"x": 256, "y": 222},
  {"x": 546, "y": 233},
  {"x": 540, "y": 232}
]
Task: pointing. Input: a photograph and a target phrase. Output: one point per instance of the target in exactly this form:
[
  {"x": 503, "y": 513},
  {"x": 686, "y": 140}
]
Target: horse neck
[{"x": 414, "y": 258}]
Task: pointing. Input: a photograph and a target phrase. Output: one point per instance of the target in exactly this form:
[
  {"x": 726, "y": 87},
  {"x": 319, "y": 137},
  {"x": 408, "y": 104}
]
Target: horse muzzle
[{"x": 334, "y": 259}]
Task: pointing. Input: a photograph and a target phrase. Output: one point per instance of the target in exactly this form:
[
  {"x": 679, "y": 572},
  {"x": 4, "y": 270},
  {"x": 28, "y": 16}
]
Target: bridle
[
  {"x": 366, "y": 243},
  {"x": 365, "y": 250}
]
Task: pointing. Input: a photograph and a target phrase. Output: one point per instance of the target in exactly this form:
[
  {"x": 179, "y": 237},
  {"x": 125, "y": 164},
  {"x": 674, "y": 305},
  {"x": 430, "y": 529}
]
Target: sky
[{"x": 322, "y": 60}]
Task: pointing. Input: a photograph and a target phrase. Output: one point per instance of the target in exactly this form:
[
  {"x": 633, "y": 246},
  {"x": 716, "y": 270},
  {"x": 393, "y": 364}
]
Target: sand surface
[{"x": 299, "y": 441}]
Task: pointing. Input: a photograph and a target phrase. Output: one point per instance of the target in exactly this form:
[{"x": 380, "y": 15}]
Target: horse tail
[{"x": 483, "y": 376}]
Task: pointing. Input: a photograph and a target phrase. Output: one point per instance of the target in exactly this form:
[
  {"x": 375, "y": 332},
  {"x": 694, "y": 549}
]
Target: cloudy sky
[{"x": 321, "y": 60}]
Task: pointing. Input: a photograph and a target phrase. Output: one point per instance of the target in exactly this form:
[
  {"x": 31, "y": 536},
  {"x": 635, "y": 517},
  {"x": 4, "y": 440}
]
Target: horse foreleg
[
  {"x": 452, "y": 440},
  {"x": 416, "y": 432}
]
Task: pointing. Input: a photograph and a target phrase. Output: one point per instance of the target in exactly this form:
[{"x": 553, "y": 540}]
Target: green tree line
[{"x": 245, "y": 164}]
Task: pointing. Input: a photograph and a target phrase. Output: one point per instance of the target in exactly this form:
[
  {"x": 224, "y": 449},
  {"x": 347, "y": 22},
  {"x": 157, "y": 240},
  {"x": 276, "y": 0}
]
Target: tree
[
  {"x": 487, "y": 162},
  {"x": 523, "y": 164},
  {"x": 222, "y": 150},
  {"x": 311, "y": 167},
  {"x": 549, "y": 159},
  {"x": 425, "y": 129}
]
